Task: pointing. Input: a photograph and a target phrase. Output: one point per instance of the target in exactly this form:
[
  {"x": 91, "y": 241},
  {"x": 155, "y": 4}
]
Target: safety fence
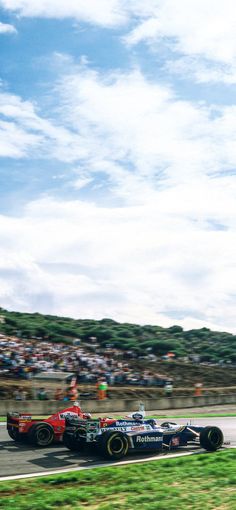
[{"x": 48, "y": 407}]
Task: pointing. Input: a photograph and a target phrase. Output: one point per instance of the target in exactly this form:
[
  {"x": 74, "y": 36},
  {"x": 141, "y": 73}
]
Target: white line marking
[{"x": 107, "y": 464}]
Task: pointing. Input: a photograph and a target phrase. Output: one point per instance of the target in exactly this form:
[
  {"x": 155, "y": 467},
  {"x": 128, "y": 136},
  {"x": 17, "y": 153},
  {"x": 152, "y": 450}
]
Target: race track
[{"x": 20, "y": 459}]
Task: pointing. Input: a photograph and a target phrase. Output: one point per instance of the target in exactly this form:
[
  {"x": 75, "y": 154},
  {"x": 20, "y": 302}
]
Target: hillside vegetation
[{"x": 210, "y": 346}]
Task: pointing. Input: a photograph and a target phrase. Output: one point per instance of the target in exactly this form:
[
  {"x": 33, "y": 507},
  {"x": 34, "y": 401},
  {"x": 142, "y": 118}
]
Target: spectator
[
  {"x": 24, "y": 394},
  {"x": 58, "y": 394},
  {"x": 25, "y": 358},
  {"x": 168, "y": 389},
  {"x": 42, "y": 394},
  {"x": 102, "y": 388},
  {"x": 72, "y": 393},
  {"x": 19, "y": 394},
  {"x": 198, "y": 389}
]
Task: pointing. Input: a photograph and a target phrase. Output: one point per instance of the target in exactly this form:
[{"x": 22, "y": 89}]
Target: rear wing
[{"x": 13, "y": 416}]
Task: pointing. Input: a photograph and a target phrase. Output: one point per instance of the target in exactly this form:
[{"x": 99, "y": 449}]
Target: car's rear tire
[
  {"x": 211, "y": 438},
  {"x": 73, "y": 442},
  {"x": 41, "y": 434},
  {"x": 14, "y": 434},
  {"x": 113, "y": 445}
]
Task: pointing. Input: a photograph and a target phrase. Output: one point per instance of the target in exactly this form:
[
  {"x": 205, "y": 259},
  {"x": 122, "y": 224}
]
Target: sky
[{"x": 118, "y": 160}]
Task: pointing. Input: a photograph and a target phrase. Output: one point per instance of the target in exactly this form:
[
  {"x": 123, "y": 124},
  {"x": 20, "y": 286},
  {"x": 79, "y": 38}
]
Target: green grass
[
  {"x": 197, "y": 415},
  {"x": 198, "y": 482}
]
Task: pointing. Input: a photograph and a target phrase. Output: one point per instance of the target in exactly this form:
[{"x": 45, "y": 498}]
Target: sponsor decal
[
  {"x": 22, "y": 427},
  {"x": 126, "y": 428},
  {"x": 67, "y": 413},
  {"x": 148, "y": 439},
  {"x": 22, "y": 424},
  {"x": 116, "y": 429},
  {"x": 137, "y": 416},
  {"x": 127, "y": 423}
]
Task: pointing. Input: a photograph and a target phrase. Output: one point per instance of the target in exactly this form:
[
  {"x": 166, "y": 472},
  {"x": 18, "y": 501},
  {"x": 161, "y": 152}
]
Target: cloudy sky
[{"x": 118, "y": 160}]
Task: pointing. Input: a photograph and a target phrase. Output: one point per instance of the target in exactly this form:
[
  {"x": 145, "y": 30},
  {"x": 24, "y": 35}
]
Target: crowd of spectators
[{"x": 22, "y": 359}]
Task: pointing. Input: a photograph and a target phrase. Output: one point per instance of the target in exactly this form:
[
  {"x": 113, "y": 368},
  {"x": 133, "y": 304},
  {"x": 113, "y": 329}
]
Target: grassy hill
[{"x": 211, "y": 346}]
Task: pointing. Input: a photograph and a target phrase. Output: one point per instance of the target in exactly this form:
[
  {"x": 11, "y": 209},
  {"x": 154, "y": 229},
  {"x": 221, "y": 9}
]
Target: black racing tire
[
  {"x": 211, "y": 438},
  {"x": 168, "y": 424},
  {"x": 73, "y": 442},
  {"x": 113, "y": 445},
  {"x": 14, "y": 434},
  {"x": 41, "y": 434}
]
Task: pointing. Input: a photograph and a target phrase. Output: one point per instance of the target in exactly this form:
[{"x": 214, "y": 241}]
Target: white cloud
[
  {"x": 16, "y": 142},
  {"x": 169, "y": 254},
  {"x": 82, "y": 181},
  {"x": 5, "y": 28},
  {"x": 199, "y": 27},
  {"x": 142, "y": 135},
  {"x": 203, "y": 71},
  {"x": 201, "y": 31},
  {"x": 140, "y": 264},
  {"x": 102, "y": 12},
  {"x": 20, "y": 127},
  {"x": 24, "y": 132}
]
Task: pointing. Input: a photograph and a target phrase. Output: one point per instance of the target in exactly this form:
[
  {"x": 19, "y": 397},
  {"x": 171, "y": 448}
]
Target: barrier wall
[{"x": 48, "y": 407}]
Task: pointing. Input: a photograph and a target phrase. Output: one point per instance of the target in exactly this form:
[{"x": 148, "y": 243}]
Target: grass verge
[{"x": 203, "y": 481}]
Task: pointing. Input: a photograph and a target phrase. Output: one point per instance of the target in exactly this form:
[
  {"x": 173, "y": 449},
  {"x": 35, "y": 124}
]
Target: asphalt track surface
[{"x": 22, "y": 459}]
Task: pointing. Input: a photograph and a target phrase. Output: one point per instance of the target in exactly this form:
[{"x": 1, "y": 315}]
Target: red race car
[{"x": 41, "y": 432}]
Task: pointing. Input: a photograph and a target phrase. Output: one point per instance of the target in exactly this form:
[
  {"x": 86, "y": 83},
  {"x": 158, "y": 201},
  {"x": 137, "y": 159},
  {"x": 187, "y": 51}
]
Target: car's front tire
[{"x": 211, "y": 438}]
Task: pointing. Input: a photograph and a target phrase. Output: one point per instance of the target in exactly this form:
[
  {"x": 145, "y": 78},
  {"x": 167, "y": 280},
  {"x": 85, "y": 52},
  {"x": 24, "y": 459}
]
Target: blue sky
[{"x": 118, "y": 160}]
